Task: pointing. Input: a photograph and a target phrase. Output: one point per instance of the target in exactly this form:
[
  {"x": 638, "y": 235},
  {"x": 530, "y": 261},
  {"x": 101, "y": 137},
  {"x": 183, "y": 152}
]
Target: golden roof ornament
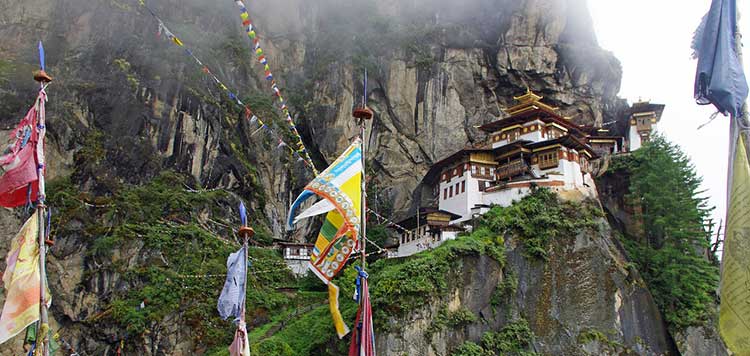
[{"x": 527, "y": 102}]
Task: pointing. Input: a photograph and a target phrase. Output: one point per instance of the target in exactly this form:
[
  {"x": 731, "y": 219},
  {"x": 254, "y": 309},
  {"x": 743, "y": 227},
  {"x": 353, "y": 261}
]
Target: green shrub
[
  {"x": 180, "y": 262},
  {"x": 451, "y": 320},
  {"x": 504, "y": 290},
  {"x": 272, "y": 347},
  {"x": 539, "y": 218},
  {"x": 469, "y": 348},
  {"x": 512, "y": 340}
]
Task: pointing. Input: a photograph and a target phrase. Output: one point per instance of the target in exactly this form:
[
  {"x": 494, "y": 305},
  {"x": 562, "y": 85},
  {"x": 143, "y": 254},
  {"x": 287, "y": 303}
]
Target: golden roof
[{"x": 527, "y": 102}]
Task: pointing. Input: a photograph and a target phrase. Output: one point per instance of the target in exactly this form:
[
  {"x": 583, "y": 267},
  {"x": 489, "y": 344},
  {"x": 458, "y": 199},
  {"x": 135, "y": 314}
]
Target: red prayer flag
[
  {"x": 21, "y": 159},
  {"x": 363, "y": 337}
]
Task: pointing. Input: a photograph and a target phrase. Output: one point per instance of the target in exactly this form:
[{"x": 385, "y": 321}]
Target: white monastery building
[{"x": 533, "y": 147}]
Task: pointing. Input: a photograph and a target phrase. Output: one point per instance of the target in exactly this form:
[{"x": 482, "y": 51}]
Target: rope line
[{"x": 235, "y": 98}]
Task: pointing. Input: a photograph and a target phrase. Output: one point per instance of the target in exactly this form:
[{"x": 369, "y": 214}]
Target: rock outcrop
[{"x": 582, "y": 301}]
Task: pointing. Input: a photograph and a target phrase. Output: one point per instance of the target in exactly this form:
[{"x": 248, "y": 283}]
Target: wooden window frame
[{"x": 548, "y": 159}]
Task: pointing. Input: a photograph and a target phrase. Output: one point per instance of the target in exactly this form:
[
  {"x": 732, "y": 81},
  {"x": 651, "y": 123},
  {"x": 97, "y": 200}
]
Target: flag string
[
  {"x": 254, "y": 119},
  {"x": 263, "y": 60},
  {"x": 382, "y": 219},
  {"x": 300, "y": 152}
]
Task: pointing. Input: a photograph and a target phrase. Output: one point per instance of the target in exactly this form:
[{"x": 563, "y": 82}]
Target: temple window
[
  {"x": 548, "y": 159},
  {"x": 463, "y": 186},
  {"x": 450, "y": 192}
]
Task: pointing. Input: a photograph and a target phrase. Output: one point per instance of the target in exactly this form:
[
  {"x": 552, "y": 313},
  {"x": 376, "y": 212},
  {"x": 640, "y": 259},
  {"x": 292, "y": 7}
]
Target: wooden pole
[
  {"x": 363, "y": 199},
  {"x": 246, "y": 233},
  {"x": 43, "y": 331},
  {"x": 363, "y": 114}
]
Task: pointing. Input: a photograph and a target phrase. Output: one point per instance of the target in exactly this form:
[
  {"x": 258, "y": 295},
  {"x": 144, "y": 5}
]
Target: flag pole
[
  {"x": 363, "y": 113},
  {"x": 246, "y": 233},
  {"x": 43, "y": 332}
]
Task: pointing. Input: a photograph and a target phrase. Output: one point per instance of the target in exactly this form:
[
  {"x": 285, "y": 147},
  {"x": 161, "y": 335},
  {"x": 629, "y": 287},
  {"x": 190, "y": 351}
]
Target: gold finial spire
[{"x": 528, "y": 101}]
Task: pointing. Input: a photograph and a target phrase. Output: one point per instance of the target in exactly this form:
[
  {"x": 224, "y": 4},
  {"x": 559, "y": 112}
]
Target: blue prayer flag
[
  {"x": 719, "y": 79},
  {"x": 243, "y": 213},
  {"x": 232, "y": 298},
  {"x": 41, "y": 56}
]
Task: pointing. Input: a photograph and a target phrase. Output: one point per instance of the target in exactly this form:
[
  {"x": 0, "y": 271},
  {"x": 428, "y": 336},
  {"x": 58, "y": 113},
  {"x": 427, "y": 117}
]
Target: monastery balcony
[{"x": 511, "y": 169}]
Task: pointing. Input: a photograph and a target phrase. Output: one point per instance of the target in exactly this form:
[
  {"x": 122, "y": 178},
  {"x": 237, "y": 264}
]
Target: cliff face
[
  {"x": 581, "y": 301},
  {"x": 437, "y": 70},
  {"x": 126, "y": 105}
]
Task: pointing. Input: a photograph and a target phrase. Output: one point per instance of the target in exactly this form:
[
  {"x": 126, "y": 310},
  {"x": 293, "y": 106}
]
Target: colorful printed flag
[
  {"x": 20, "y": 161},
  {"x": 734, "y": 311},
  {"x": 341, "y": 189},
  {"x": 22, "y": 282}
]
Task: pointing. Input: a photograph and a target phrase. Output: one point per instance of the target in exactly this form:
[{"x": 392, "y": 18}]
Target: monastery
[{"x": 533, "y": 147}]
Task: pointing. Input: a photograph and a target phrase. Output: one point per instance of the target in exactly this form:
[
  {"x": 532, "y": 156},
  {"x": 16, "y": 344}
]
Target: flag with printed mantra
[{"x": 340, "y": 188}]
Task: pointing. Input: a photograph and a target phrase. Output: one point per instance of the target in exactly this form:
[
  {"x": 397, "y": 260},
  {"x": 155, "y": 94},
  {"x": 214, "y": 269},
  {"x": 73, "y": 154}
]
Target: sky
[{"x": 652, "y": 39}]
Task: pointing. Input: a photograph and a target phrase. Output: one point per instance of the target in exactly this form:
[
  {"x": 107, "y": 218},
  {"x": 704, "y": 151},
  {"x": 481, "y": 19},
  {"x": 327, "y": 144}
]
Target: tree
[{"x": 672, "y": 254}]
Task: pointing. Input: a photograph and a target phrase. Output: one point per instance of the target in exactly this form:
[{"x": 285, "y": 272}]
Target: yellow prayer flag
[
  {"x": 333, "y": 305},
  {"x": 734, "y": 314},
  {"x": 22, "y": 282},
  {"x": 177, "y": 41}
]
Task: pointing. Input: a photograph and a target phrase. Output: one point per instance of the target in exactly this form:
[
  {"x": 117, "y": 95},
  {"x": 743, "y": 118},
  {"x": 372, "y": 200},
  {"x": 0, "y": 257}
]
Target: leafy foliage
[
  {"x": 378, "y": 234},
  {"x": 513, "y": 339},
  {"x": 178, "y": 255},
  {"x": 450, "y": 319},
  {"x": 663, "y": 182},
  {"x": 504, "y": 290},
  {"x": 540, "y": 218},
  {"x": 470, "y": 349},
  {"x": 400, "y": 286},
  {"x": 592, "y": 335}
]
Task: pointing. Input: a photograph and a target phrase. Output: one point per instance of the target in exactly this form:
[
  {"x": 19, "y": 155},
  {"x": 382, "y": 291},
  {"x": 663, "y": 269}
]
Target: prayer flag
[
  {"x": 734, "y": 311},
  {"x": 232, "y": 298},
  {"x": 20, "y": 161},
  {"x": 719, "y": 79},
  {"x": 340, "y": 186},
  {"x": 363, "y": 338},
  {"x": 22, "y": 281},
  {"x": 177, "y": 41},
  {"x": 241, "y": 345}
]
